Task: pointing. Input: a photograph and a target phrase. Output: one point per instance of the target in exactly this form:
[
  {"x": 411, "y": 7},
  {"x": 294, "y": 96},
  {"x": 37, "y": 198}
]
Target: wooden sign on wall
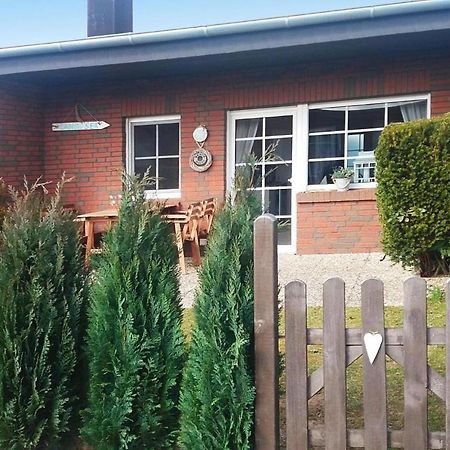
[{"x": 80, "y": 126}]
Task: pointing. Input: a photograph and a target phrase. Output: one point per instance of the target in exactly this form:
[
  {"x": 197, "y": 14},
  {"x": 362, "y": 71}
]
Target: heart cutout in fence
[{"x": 372, "y": 342}]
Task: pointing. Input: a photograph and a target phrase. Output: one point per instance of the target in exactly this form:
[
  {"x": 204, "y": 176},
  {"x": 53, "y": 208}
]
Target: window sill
[
  {"x": 162, "y": 195},
  {"x": 367, "y": 194}
]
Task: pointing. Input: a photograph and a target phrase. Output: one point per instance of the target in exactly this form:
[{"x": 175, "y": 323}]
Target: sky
[{"x": 37, "y": 21}]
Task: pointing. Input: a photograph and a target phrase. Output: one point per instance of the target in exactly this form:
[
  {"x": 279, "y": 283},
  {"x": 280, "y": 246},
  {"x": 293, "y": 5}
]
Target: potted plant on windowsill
[{"x": 341, "y": 177}]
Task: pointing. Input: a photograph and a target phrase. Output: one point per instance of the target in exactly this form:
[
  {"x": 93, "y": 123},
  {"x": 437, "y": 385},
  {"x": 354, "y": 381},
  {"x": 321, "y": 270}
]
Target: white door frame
[{"x": 298, "y": 113}]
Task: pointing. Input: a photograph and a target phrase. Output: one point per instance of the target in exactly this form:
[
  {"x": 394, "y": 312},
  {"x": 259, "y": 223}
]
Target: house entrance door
[{"x": 268, "y": 135}]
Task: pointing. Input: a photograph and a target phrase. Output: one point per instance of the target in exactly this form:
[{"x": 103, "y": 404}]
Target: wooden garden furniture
[
  {"x": 192, "y": 225},
  {"x": 107, "y": 216},
  {"x": 186, "y": 225}
]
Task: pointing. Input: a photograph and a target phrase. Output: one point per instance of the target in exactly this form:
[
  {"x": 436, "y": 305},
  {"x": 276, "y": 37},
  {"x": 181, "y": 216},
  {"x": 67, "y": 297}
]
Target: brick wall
[
  {"x": 337, "y": 222},
  {"x": 95, "y": 158},
  {"x": 21, "y": 133}
]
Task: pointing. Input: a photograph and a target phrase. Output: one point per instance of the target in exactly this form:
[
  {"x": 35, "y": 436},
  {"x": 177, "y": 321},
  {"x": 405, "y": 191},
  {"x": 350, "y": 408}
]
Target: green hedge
[
  {"x": 42, "y": 323},
  {"x": 218, "y": 389},
  {"x": 135, "y": 344},
  {"x": 413, "y": 194}
]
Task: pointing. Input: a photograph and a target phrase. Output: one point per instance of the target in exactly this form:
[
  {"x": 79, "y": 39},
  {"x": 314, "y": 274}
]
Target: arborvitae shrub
[
  {"x": 218, "y": 387},
  {"x": 3, "y": 200},
  {"x": 41, "y": 322},
  {"x": 413, "y": 194},
  {"x": 135, "y": 344}
]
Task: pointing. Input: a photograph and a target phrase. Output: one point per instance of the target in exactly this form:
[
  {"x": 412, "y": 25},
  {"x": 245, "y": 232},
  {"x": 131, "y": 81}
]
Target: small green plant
[
  {"x": 436, "y": 295},
  {"x": 42, "y": 321},
  {"x": 341, "y": 172},
  {"x": 135, "y": 344}
]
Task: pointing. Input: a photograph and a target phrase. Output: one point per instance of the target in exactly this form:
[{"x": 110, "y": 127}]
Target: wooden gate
[{"x": 342, "y": 346}]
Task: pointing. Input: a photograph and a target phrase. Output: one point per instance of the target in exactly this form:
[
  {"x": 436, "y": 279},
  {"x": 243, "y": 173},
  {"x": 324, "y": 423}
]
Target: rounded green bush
[{"x": 413, "y": 194}]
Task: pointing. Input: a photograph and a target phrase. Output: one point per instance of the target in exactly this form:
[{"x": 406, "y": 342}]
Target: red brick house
[{"x": 322, "y": 86}]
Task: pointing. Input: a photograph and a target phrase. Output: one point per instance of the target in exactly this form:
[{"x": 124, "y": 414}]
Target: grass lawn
[{"x": 393, "y": 318}]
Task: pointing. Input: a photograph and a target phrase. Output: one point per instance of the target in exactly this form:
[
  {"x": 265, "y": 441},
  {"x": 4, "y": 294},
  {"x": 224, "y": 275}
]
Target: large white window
[
  {"x": 346, "y": 134},
  {"x": 153, "y": 144}
]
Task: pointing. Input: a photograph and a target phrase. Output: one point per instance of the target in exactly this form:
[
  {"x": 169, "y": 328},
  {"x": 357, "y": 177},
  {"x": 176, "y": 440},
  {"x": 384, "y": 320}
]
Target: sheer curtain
[
  {"x": 414, "y": 111},
  {"x": 246, "y": 129}
]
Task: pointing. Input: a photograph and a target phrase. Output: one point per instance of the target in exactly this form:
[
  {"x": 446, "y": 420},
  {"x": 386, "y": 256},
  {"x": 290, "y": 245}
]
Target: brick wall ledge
[{"x": 335, "y": 196}]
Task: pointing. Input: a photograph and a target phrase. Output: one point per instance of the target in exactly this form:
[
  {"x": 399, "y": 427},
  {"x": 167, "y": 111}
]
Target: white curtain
[
  {"x": 247, "y": 129},
  {"x": 414, "y": 111}
]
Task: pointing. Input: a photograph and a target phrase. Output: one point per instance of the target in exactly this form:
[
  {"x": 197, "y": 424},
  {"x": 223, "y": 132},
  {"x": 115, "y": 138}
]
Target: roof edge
[{"x": 272, "y": 24}]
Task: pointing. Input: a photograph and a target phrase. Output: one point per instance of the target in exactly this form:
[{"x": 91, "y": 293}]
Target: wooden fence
[{"x": 342, "y": 346}]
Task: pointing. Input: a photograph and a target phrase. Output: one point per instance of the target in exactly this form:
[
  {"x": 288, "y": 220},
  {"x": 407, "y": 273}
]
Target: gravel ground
[{"x": 315, "y": 269}]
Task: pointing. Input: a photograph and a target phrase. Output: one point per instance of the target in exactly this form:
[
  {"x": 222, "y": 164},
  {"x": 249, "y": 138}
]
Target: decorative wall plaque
[
  {"x": 200, "y": 135},
  {"x": 200, "y": 160}
]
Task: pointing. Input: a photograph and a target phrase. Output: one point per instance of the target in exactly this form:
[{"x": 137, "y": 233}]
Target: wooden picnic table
[
  {"x": 108, "y": 216},
  {"x": 105, "y": 216}
]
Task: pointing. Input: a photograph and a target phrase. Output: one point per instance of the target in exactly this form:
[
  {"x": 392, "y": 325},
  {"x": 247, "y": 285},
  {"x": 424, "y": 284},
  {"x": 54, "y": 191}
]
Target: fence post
[
  {"x": 266, "y": 333},
  {"x": 447, "y": 371}
]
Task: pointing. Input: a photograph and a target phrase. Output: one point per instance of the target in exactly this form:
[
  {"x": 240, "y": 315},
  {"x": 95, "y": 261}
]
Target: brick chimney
[{"x": 109, "y": 17}]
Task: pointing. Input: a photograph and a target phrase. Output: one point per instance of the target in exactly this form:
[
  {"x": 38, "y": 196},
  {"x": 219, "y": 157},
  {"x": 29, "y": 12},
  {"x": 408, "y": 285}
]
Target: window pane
[
  {"x": 168, "y": 173},
  {"x": 278, "y": 175},
  {"x": 248, "y": 128},
  {"x": 278, "y": 202},
  {"x": 244, "y": 148},
  {"x": 250, "y": 174},
  {"x": 141, "y": 165},
  {"x": 362, "y": 142},
  {"x": 326, "y": 146},
  {"x": 395, "y": 114},
  {"x": 145, "y": 140},
  {"x": 168, "y": 139},
  {"x": 407, "y": 111},
  {"x": 279, "y": 149},
  {"x": 361, "y": 117},
  {"x": 278, "y": 126},
  {"x": 319, "y": 172},
  {"x": 284, "y": 232},
  {"x": 258, "y": 196},
  {"x": 364, "y": 170},
  {"x": 326, "y": 120}
]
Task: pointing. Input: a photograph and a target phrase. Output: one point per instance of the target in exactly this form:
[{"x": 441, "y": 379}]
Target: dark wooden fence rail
[{"x": 341, "y": 347}]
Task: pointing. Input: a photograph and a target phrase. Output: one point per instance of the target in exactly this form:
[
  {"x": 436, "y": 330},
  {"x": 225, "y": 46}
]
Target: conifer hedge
[
  {"x": 135, "y": 344},
  {"x": 218, "y": 387},
  {"x": 413, "y": 194},
  {"x": 41, "y": 322}
]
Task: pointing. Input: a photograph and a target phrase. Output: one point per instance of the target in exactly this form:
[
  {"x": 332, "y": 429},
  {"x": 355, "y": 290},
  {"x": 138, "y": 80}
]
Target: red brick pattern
[
  {"x": 337, "y": 222},
  {"x": 95, "y": 158},
  {"x": 21, "y": 134}
]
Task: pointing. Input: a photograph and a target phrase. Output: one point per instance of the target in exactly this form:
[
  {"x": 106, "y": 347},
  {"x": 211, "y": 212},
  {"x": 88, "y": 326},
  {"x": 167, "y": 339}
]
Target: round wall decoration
[
  {"x": 200, "y": 160},
  {"x": 200, "y": 134}
]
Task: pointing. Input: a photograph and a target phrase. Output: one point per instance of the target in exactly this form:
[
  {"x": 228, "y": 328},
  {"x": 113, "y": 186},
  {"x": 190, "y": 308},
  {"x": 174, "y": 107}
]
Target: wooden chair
[
  {"x": 209, "y": 210},
  {"x": 186, "y": 225}
]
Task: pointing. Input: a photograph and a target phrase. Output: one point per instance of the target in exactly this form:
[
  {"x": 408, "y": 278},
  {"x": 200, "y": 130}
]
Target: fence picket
[
  {"x": 415, "y": 351},
  {"x": 334, "y": 364},
  {"x": 266, "y": 333},
  {"x": 372, "y": 312},
  {"x": 296, "y": 367}
]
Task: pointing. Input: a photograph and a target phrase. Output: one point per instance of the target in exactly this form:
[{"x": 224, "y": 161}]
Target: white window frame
[
  {"x": 153, "y": 120},
  {"x": 232, "y": 116},
  {"x": 304, "y": 145}
]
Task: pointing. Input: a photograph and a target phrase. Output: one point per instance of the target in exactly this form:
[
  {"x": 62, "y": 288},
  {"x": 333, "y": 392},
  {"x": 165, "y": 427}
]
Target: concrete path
[{"x": 315, "y": 269}]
